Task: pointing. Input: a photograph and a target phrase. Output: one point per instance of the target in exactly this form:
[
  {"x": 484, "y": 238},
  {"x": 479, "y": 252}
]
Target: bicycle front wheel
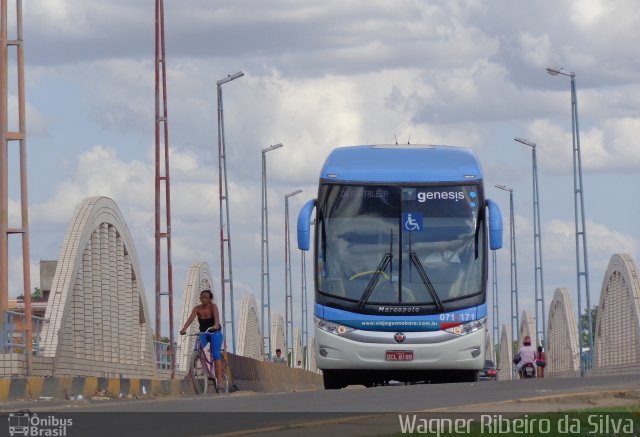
[
  {"x": 223, "y": 386},
  {"x": 199, "y": 374}
]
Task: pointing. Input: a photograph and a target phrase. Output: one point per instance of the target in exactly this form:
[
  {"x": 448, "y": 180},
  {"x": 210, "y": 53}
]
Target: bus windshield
[{"x": 400, "y": 245}]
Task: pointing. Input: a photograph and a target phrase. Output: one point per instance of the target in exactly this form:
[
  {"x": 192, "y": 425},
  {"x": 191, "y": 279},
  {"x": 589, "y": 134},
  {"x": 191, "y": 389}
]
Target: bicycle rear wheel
[
  {"x": 199, "y": 374},
  {"x": 224, "y": 387}
]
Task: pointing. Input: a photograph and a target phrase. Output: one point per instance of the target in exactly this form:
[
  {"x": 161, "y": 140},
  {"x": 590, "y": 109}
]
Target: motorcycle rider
[{"x": 527, "y": 355}]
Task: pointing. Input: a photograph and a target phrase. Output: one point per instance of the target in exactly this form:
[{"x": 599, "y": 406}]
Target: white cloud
[
  {"x": 612, "y": 146},
  {"x": 448, "y": 72},
  {"x": 536, "y": 50},
  {"x": 588, "y": 13}
]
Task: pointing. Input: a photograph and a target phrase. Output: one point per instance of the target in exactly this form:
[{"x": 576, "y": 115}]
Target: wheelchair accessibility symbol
[{"x": 412, "y": 221}]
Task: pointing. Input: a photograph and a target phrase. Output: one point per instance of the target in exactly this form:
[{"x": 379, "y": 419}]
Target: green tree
[
  {"x": 584, "y": 323},
  {"x": 37, "y": 293}
]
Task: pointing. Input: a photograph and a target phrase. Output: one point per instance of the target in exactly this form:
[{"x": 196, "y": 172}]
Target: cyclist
[{"x": 209, "y": 319}]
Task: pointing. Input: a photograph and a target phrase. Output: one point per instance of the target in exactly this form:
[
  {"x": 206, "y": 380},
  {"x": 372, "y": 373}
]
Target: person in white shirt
[
  {"x": 278, "y": 358},
  {"x": 526, "y": 353}
]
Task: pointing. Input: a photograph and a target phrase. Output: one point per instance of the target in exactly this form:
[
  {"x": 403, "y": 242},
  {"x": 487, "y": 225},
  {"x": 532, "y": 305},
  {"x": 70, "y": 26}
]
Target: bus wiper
[
  {"x": 371, "y": 285},
  {"x": 425, "y": 280},
  {"x": 382, "y": 266}
]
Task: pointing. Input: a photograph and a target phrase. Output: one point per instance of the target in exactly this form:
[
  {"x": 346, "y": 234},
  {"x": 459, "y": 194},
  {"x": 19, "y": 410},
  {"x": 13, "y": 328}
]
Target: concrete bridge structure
[
  {"x": 617, "y": 328},
  {"x": 97, "y": 322}
]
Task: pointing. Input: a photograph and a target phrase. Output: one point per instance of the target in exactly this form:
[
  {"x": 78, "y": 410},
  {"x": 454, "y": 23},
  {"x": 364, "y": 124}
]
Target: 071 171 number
[{"x": 457, "y": 317}]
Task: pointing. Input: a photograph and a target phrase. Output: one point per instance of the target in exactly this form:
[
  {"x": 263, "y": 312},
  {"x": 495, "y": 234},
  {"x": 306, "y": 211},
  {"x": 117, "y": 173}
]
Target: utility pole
[
  {"x": 515, "y": 312},
  {"x": 162, "y": 180},
  {"x": 304, "y": 325},
  {"x": 496, "y": 318},
  {"x": 225, "y": 220},
  {"x": 265, "y": 286},
  {"x": 582, "y": 260},
  {"x": 288, "y": 325},
  {"x": 541, "y": 325},
  {"x": 8, "y": 136}
]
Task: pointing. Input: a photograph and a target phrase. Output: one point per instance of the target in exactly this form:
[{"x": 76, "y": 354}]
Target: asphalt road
[{"x": 322, "y": 412}]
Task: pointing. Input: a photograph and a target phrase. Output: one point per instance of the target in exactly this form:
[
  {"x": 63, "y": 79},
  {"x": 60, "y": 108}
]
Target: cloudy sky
[{"x": 320, "y": 75}]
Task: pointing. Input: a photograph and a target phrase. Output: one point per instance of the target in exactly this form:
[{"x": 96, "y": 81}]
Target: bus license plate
[{"x": 399, "y": 355}]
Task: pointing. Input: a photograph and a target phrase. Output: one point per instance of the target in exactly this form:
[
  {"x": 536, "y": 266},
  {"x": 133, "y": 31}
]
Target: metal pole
[
  {"x": 496, "y": 316},
  {"x": 580, "y": 225},
  {"x": 5, "y": 137},
  {"x": 304, "y": 325},
  {"x": 538, "y": 253},
  {"x": 287, "y": 280},
  {"x": 225, "y": 225},
  {"x": 265, "y": 285},
  {"x": 541, "y": 325},
  {"x": 4, "y": 172},
  {"x": 515, "y": 311},
  {"x": 26, "y": 267},
  {"x": 162, "y": 138}
]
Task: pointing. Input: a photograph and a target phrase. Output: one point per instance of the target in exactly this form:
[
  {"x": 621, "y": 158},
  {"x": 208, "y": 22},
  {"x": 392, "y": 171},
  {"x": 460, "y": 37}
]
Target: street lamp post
[
  {"x": 537, "y": 248},
  {"x": 515, "y": 312},
  {"x": 580, "y": 226},
  {"x": 265, "y": 288},
  {"x": 304, "y": 326},
  {"x": 225, "y": 225},
  {"x": 496, "y": 317},
  {"x": 288, "y": 324}
]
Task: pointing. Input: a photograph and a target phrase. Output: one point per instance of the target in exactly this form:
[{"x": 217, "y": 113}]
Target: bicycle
[{"x": 203, "y": 372}]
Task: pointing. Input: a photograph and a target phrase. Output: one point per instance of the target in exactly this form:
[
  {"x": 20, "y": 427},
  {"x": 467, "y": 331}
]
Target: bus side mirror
[
  {"x": 495, "y": 225},
  {"x": 304, "y": 224}
]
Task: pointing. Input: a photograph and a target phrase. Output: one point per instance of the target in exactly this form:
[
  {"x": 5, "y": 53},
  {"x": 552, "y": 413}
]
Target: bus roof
[{"x": 401, "y": 163}]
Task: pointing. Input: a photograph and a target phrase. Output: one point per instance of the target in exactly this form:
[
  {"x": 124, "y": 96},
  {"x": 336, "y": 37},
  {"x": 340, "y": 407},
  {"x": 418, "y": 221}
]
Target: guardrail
[
  {"x": 13, "y": 339},
  {"x": 163, "y": 354}
]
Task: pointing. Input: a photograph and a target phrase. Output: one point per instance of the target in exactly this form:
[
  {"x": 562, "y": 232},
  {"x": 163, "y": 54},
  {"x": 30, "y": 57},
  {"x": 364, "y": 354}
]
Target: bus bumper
[{"x": 465, "y": 352}]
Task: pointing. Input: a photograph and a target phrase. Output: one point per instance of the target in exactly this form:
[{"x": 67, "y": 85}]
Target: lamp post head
[
  {"x": 505, "y": 188},
  {"x": 525, "y": 142},
  {"x": 552, "y": 71},
  {"x": 293, "y": 193},
  {"x": 230, "y": 77},
  {"x": 270, "y": 148},
  {"x": 555, "y": 71}
]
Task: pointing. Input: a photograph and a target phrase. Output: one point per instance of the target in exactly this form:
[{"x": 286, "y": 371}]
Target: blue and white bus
[{"x": 400, "y": 264}]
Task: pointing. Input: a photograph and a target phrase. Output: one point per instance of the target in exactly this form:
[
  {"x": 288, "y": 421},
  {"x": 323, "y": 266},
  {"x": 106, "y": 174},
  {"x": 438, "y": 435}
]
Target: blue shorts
[{"x": 215, "y": 340}]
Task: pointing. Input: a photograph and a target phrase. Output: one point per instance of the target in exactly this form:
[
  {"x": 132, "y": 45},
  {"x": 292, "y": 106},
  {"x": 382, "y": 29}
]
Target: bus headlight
[
  {"x": 333, "y": 328},
  {"x": 468, "y": 328}
]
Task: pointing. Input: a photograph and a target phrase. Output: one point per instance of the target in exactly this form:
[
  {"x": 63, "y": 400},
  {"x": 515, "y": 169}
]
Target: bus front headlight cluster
[
  {"x": 468, "y": 328},
  {"x": 333, "y": 328}
]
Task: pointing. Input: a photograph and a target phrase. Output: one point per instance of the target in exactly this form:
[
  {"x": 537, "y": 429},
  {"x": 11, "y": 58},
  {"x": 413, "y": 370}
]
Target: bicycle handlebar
[{"x": 209, "y": 330}]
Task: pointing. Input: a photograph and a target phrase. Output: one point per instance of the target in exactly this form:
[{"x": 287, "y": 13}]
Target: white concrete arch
[
  {"x": 313, "y": 366},
  {"x": 198, "y": 279},
  {"x": 563, "y": 353},
  {"x": 506, "y": 354},
  {"x": 297, "y": 348},
  {"x": 490, "y": 349},
  {"x": 97, "y": 311},
  {"x": 249, "y": 337},
  {"x": 527, "y": 327},
  {"x": 277, "y": 335},
  {"x": 618, "y": 318}
]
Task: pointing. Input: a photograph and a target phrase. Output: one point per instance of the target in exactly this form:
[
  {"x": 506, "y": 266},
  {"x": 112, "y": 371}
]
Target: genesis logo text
[{"x": 441, "y": 195}]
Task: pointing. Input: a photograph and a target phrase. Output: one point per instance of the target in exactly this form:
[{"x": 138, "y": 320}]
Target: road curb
[{"x": 79, "y": 387}]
